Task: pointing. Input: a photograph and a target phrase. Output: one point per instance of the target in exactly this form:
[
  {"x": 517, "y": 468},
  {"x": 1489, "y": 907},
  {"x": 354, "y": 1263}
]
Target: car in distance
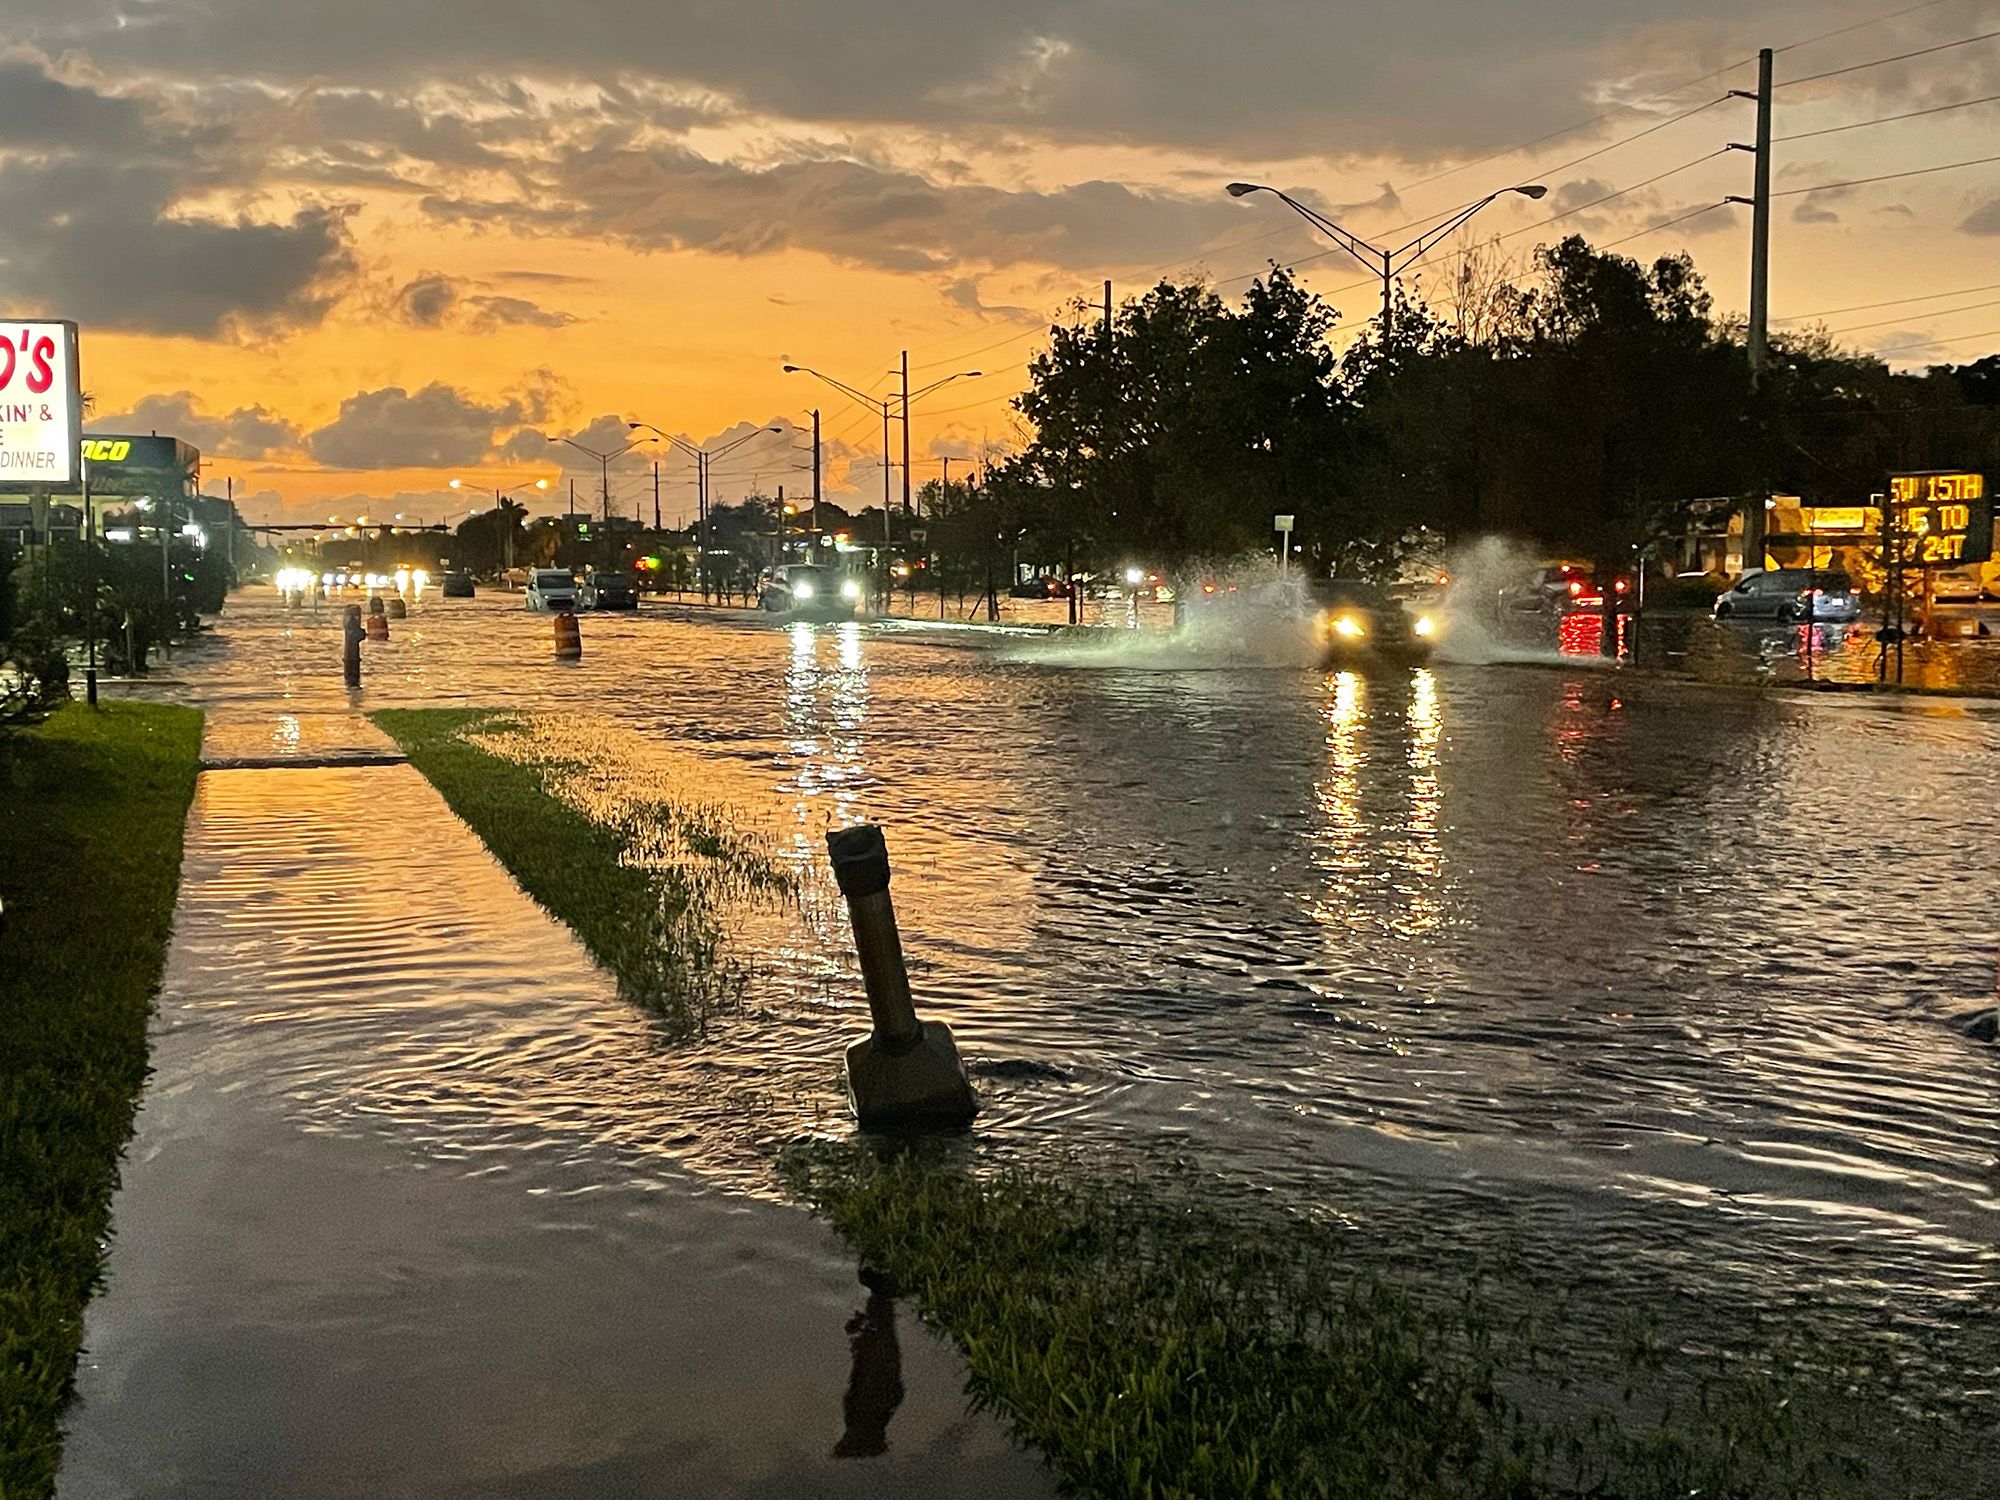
[
  {"x": 809, "y": 591},
  {"x": 1564, "y": 588},
  {"x": 1047, "y": 586},
  {"x": 1351, "y": 618},
  {"x": 1787, "y": 594},
  {"x": 458, "y": 585},
  {"x": 607, "y": 591},
  {"x": 550, "y": 589}
]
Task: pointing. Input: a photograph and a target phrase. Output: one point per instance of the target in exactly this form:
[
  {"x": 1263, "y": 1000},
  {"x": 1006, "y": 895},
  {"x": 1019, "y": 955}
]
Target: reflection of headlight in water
[
  {"x": 849, "y": 589},
  {"x": 802, "y": 591},
  {"x": 1347, "y": 625},
  {"x": 1426, "y": 625}
]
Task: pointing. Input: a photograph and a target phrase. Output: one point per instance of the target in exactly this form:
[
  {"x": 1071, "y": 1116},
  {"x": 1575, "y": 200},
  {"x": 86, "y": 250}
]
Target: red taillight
[
  {"x": 1620, "y": 585},
  {"x": 1208, "y": 588},
  {"x": 1575, "y": 588}
]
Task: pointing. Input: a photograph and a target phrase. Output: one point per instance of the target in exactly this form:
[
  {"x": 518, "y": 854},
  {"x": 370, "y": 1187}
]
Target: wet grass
[
  {"x": 643, "y": 876},
  {"x": 92, "y": 805},
  {"x": 1158, "y": 1341}
]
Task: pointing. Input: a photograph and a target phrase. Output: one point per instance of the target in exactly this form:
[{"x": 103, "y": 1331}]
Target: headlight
[
  {"x": 802, "y": 590},
  {"x": 1425, "y": 625},
  {"x": 849, "y": 589},
  {"x": 1350, "y": 627}
]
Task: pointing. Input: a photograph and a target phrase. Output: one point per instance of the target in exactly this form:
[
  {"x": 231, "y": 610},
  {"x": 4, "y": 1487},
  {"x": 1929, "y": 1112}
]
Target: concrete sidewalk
[{"x": 397, "y": 1222}]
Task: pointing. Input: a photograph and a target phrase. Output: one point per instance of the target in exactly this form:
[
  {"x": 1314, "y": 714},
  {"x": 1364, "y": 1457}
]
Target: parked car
[
  {"x": 809, "y": 591},
  {"x": 607, "y": 591},
  {"x": 1564, "y": 588},
  {"x": 550, "y": 589},
  {"x": 1356, "y": 619},
  {"x": 1789, "y": 594},
  {"x": 1046, "y": 587},
  {"x": 458, "y": 585}
]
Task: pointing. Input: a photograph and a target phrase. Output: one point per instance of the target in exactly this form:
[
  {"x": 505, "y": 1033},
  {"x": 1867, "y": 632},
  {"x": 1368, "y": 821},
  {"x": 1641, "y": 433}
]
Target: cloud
[
  {"x": 1984, "y": 220},
  {"x": 1259, "y": 80},
  {"x": 670, "y": 197},
  {"x": 96, "y": 223},
  {"x": 1813, "y": 209},
  {"x": 436, "y": 427},
  {"x": 435, "y": 300},
  {"x": 247, "y": 432},
  {"x": 963, "y": 293}
]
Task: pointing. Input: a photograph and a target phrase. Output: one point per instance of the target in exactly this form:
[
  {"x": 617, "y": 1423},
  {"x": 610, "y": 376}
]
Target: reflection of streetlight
[{"x": 1384, "y": 262}]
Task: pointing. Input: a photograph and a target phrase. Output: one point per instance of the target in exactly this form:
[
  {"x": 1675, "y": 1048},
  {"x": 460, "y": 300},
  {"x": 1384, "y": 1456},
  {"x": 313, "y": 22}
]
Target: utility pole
[
  {"x": 906, "y": 432},
  {"x": 815, "y": 467},
  {"x": 1107, "y": 312},
  {"x": 701, "y": 503},
  {"x": 1388, "y": 297},
  {"x": 1760, "y": 279},
  {"x": 656, "y": 494}
]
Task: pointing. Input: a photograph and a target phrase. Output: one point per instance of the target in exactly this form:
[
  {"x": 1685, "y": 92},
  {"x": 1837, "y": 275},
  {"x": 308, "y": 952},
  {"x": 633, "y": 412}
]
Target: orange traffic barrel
[
  {"x": 378, "y": 627},
  {"x": 569, "y": 637},
  {"x": 397, "y": 609}
]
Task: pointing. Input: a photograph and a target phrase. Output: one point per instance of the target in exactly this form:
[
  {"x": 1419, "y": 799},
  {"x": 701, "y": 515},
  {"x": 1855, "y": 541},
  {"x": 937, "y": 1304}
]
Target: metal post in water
[
  {"x": 905, "y": 1071},
  {"x": 350, "y": 650}
]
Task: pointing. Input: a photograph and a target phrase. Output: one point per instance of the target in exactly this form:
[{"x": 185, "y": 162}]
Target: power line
[
  {"x": 1964, "y": 41},
  {"x": 1827, "y": 187},
  {"x": 1914, "y": 114},
  {"x": 1828, "y": 312},
  {"x": 1957, "y": 338},
  {"x": 1942, "y": 312},
  {"x": 1893, "y": 15}
]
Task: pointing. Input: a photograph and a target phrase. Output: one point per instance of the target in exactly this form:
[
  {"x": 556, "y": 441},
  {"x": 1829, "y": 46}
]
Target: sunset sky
[{"x": 355, "y": 250}]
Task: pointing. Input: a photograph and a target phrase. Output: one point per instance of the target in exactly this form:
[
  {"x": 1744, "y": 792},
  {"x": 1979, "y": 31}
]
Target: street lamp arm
[
  {"x": 842, "y": 386},
  {"x": 937, "y": 384},
  {"x": 1425, "y": 242},
  {"x": 747, "y": 437},
  {"x": 1352, "y": 243},
  {"x": 667, "y": 437}
]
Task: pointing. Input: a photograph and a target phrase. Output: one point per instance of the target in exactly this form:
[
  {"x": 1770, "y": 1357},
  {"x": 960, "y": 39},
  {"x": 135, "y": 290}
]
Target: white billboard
[{"x": 41, "y": 405}]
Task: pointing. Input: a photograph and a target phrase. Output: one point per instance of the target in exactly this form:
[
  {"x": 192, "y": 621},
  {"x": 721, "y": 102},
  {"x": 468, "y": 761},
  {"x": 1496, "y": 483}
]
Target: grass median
[
  {"x": 92, "y": 807},
  {"x": 642, "y": 881}
]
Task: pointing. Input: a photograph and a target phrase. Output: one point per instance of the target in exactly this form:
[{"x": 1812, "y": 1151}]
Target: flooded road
[{"x": 1646, "y": 978}]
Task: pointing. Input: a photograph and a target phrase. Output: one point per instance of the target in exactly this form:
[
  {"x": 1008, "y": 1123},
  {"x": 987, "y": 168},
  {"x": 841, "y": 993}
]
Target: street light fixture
[
  {"x": 1387, "y": 264},
  {"x": 702, "y": 458},
  {"x": 500, "y": 493},
  {"x": 882, "y": 405}
]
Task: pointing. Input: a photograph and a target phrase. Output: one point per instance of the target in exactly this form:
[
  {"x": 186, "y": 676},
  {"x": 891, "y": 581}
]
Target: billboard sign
[
  {"x": 41, "y": 405},
  {"x": 1941, "y": 520}
]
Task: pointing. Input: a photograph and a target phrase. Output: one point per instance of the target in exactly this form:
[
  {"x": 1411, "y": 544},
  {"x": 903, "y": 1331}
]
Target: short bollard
[
  {"x": 569, "y": 637},
  {"x": 350, "y": 648},
  {"x": 906, "y": 1072},
  {"x": 397, "y": 609}
]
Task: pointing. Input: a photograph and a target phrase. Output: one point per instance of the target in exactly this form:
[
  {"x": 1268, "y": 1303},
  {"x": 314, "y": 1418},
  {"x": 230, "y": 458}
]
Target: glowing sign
[
  {"x": 1940, "y": 520},
  {"x": 41, "y": 405}
]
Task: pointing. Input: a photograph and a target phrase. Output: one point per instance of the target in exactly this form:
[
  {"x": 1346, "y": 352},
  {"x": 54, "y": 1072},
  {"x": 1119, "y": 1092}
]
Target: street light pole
[
  {"x": 862, "y": 398},
  {"x": 1383, "y": 262},
  {"x": 702, "y": 457}
]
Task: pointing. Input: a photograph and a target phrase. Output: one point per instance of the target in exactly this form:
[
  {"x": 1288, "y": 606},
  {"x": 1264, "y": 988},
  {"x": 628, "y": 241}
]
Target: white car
[{"x": 550, "y": 589}]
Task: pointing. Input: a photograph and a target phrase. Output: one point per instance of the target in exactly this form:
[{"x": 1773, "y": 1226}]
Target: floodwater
[{"x": 1644, "y": 977}]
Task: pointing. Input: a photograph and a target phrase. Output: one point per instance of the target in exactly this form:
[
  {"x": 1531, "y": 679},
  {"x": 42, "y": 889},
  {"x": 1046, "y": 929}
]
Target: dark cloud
[
  {"x": 671, "y": 197},
  {"x": 1812, "y": 210},
  {"x": 1984, "y": 220},
  {"x": 247, "y": 432},
  {"x": 1266, "y": 79},
  {"x": 94, "y": 226},
  {"x": 436, "y": 427},
  {"x": 435, "y": 300}
]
